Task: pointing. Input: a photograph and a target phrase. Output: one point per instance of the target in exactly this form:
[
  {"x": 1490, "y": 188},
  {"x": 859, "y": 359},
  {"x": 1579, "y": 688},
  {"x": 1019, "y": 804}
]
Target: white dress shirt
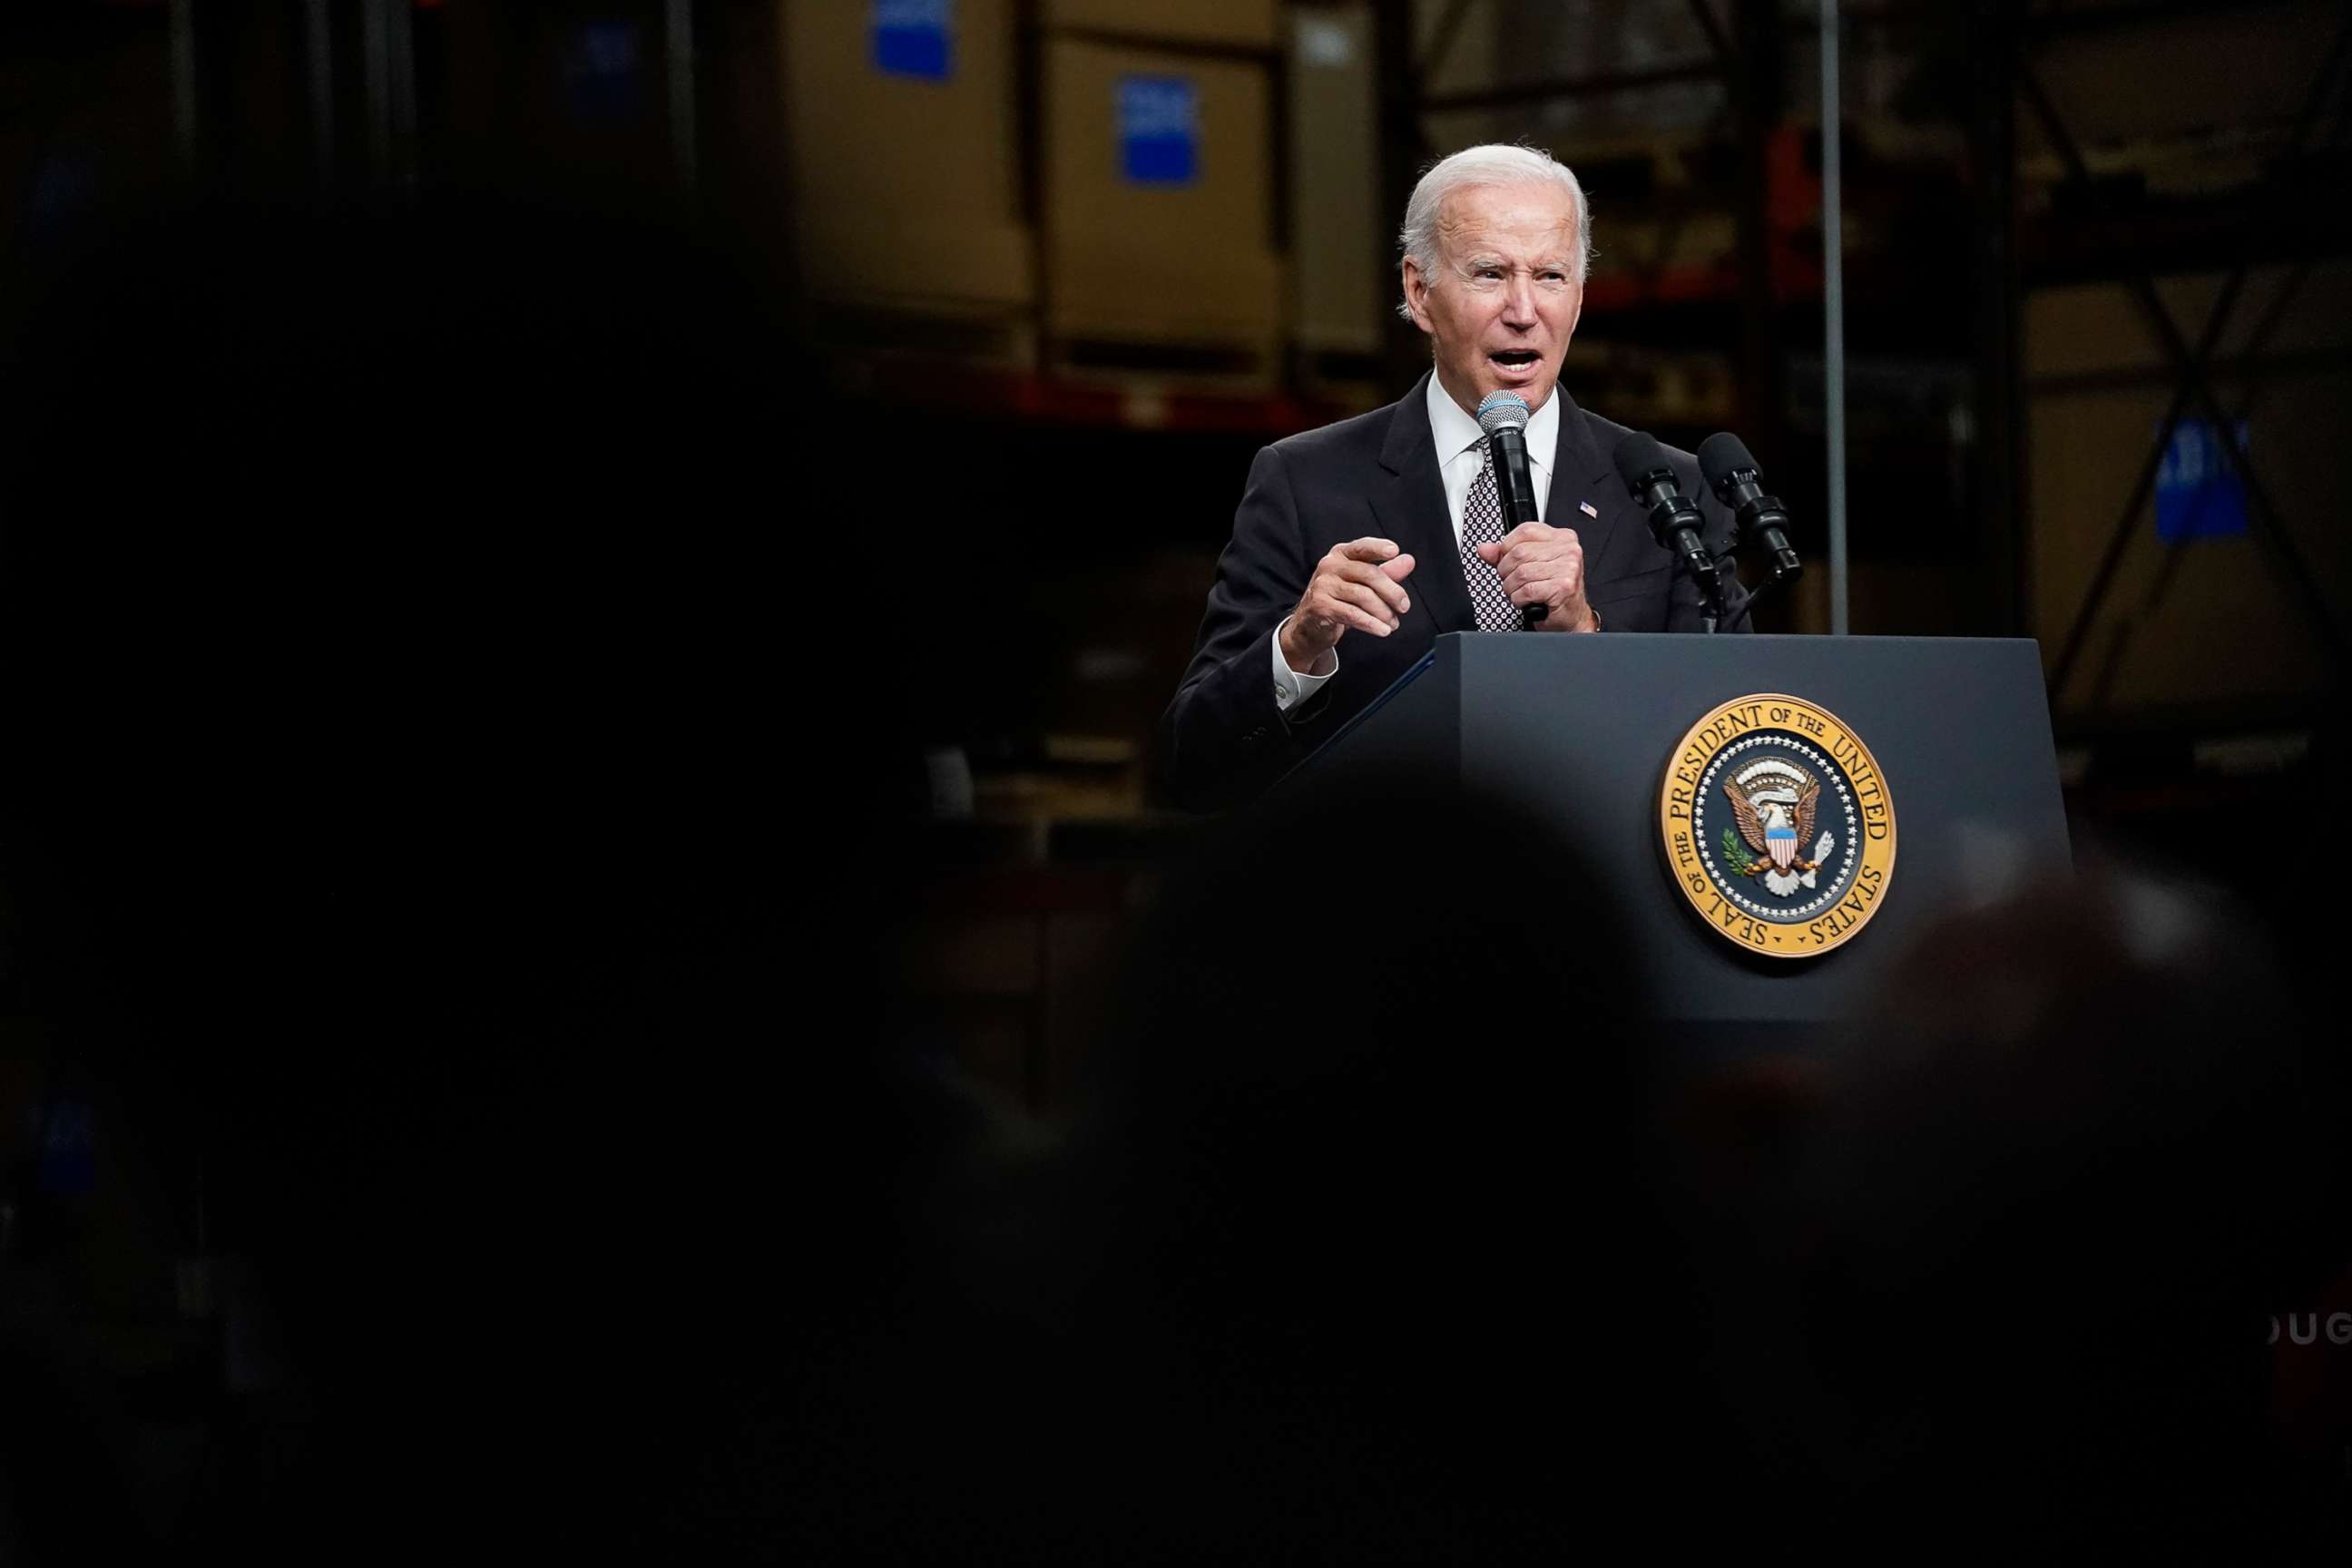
[{"x": 1461, "y": 453}]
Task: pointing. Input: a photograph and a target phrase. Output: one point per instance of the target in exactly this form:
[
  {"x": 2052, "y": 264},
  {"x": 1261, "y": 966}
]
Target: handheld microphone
[
  {"x": 1504, "y": 417},
  {"x": 1674, "y": 522},
  {"x": 1733, "y": 475}
]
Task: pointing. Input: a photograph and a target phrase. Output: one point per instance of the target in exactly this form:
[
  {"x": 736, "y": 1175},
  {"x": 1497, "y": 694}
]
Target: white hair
[{"x": 1496, "y": 164}]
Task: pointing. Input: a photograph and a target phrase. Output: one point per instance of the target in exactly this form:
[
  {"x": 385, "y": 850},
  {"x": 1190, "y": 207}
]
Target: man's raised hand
[{"x": 1356, "y": 587}]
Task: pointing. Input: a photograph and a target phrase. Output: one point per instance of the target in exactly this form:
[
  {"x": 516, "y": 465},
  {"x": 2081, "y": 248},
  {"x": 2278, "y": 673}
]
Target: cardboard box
[
  {"x": 1159, "y": 220},
  {"x": 1343, "y": 259},
  {"x": 904, "y": 154},
  {"x": 1252, "y": 23}
]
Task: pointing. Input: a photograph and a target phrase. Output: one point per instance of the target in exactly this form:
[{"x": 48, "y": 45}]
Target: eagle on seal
[{"x": 1774, "y": 803}]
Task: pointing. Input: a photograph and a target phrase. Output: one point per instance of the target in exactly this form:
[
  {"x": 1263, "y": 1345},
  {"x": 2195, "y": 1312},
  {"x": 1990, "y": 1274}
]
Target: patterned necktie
[{"x": 1482, "y": 523}]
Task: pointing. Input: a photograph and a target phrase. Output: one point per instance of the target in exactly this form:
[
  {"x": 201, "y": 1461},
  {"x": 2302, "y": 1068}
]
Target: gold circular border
[{"x": 1726, "y": 920}]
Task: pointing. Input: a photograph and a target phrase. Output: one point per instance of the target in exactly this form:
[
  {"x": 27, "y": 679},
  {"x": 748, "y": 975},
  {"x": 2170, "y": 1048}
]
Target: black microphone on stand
[
  {"x": 1675, "y": 521},
  {"x": 1738, "y": 483},
  {"x": 1504, "y": 417}
]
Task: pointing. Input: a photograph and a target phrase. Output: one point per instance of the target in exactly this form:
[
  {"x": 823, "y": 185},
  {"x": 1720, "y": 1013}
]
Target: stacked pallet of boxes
[
  {"x": 1159, "y": 209},
  {"x": 902, "y": 117}
]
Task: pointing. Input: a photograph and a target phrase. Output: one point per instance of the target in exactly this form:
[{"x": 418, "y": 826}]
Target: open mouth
[{"x": 1516, "y": 359}]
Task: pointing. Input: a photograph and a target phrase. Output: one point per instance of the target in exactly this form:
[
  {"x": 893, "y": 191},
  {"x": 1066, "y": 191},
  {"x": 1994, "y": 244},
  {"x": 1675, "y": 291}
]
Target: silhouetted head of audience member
[
  {"x": 1387, "y": 1261},
  {"x": 2057, "y": 1190}
]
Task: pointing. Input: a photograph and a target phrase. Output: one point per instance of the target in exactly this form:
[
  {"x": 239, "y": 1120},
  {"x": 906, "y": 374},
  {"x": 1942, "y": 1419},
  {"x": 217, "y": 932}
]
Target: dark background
[{"x": 586, "y": 591}]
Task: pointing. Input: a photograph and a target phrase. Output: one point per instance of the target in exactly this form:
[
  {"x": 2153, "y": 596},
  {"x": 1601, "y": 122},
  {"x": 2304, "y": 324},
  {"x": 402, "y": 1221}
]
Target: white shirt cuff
[{"x": 1290, "y": 688}]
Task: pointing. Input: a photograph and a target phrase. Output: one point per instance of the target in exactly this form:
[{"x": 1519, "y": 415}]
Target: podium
[{"x": 1584, "y": 731}]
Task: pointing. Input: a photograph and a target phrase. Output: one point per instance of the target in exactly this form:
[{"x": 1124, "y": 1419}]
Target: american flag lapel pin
[{"x": 1588, "y": 509}]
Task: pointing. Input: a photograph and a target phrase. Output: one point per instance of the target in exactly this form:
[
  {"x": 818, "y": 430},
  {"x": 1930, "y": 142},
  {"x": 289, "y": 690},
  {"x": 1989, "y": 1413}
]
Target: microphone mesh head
[
  {"x": 1637, "y": 456},
  {"x": 1502, "y": 411},
  {"x": 1721, "y": 455}
]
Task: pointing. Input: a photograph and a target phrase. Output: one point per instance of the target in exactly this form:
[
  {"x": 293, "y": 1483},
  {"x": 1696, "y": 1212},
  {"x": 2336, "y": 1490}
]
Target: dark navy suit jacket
[{"x": 1223, "y": 739}]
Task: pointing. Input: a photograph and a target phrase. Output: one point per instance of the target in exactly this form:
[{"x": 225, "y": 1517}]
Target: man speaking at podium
[{"x": 1355, "y": 546}]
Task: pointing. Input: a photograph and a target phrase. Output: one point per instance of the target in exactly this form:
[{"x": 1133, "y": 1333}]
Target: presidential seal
[{"x": 1776, "y": 826}]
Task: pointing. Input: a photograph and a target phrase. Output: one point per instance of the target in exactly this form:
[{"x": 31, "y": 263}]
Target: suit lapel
[
  {"x": 1592, "y": 474},
  {"x": 1409, "y": 503}
]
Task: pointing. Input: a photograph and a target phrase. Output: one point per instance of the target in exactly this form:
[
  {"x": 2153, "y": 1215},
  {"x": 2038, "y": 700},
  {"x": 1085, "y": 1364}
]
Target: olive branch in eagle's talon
[{"x": 1736, "y": 858}]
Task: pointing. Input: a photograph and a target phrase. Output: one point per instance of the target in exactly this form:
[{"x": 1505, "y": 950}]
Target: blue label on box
[
  {"x": 1158, "y": 130},
  {"x": 914, "y": 38},
  {"x": 2197, "y": 494}
]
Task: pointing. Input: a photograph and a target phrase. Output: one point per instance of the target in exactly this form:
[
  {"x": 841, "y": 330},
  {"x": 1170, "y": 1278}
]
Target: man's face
[{"x": 1500, "y": 300}]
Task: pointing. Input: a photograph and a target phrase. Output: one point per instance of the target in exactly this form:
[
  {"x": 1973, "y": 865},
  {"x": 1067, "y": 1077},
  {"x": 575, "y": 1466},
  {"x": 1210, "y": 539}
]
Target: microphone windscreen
[
  {"x": 1637, "y": 457},
  {"x": 1502, "y": 411},
  {"x": 1722, "y": 455}
]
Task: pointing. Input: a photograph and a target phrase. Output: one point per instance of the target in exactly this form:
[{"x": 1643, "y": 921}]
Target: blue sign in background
[
  {"x": 2197, "y": 494},
  {"x": 1158, "y": 130},
  {"x": 914, "y": 38}
]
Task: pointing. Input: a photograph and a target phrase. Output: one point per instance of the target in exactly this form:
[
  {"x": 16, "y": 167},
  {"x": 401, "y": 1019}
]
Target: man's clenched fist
[{"x": 1543, "y": 565}]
